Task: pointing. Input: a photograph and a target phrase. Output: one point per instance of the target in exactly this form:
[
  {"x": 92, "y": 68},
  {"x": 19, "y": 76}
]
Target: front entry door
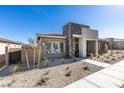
[{"x": 76, "y": 47}]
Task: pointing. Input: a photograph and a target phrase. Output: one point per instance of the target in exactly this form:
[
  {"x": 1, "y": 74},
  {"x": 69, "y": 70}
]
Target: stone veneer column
[{"x": 71, "y": 42}]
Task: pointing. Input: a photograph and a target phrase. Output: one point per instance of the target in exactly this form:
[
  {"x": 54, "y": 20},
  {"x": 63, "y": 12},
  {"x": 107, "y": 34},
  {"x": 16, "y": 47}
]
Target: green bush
[{"x": 46, "y": 62}]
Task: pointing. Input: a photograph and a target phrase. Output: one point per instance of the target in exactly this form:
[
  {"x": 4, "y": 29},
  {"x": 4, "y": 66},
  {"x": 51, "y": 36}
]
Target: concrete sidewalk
[
  {"x": 96, "y": 63},
  {"x": 110, "y": 77}
]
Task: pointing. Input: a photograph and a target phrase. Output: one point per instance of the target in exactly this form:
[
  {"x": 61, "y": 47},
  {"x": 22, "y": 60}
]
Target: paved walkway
[
  {"x": 96, "y": 63},
  {"x": 110, "y": 77}
]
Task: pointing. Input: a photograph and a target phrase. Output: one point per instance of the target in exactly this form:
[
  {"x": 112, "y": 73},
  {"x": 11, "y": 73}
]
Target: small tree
[{"x": 32, "y": 41}]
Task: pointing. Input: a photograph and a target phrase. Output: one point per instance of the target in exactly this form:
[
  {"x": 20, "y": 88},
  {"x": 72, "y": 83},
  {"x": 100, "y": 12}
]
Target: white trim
[
  {"x": 74, "y": 35},
  {"x": 51, "y": 36},
  {"x": 91, "y": 39}
]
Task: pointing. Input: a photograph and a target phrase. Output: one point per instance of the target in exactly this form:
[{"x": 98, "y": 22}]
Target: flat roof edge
[{"x": 50, "y": 36}]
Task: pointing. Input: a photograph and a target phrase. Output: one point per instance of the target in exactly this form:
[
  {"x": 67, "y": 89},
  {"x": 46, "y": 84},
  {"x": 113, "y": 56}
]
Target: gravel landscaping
[
  {"x": 108, "y": 58},
  {"x": 52, "y": 77}
]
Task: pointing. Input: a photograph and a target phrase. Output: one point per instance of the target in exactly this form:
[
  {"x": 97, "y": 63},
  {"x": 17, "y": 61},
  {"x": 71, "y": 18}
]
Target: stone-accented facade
[
  {"x": 75, "y": 36},
  {"x": 68, "y": 30}
]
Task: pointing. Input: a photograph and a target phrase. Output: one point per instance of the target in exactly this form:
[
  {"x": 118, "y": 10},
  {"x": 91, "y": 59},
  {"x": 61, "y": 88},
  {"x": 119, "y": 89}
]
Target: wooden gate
[{"x": 14, "y": 57}]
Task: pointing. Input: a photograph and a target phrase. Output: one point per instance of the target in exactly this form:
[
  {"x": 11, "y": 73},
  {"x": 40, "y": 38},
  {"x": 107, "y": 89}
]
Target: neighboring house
[
  {"x": 7, "y": 46},
  {"x": 103, "y": 45},
  {"x": 77, "y": 40},
  {"x": 115, "y": 43}
]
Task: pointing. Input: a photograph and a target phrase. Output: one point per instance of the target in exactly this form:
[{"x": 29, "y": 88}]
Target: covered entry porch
[
  {"x": 88, "y": 47},
  {"x": 84, "y": 47}
]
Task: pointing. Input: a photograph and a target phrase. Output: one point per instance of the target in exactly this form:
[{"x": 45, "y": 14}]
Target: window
[
  {"x": 54, "y": 47},
  {"x": 61, "y": 47},
  {"x": 48, "y": 46}
]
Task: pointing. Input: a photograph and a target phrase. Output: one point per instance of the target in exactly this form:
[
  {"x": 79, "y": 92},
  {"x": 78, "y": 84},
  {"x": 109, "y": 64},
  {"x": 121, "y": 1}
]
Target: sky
[{"x": 22, "y": 22}]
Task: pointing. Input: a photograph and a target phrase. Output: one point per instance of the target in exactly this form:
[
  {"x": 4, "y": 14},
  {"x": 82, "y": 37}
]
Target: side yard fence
[
  {"x": 13, "y": 55},
  {"x": 28, "y": 55},
  {"x": 31, "y": 56}
]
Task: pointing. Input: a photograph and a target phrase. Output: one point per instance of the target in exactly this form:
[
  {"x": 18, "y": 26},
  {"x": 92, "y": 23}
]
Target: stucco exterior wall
[
  {"x": 2, "y": 52},
  {"x": 87, "y": 34},
  {"x": 118, "y": 45},
  {"x": 5, "y": 48},
  {"x": 2, "y": 48}
]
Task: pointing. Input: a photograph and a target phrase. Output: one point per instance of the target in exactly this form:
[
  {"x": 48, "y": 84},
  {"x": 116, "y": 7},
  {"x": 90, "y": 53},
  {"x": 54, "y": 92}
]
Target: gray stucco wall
[{"x": 87, "y": 34}]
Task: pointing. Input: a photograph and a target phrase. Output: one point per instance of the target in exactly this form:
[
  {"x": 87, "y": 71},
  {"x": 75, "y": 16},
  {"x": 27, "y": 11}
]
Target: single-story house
[
  {"x": 7, "y": 46},
  {"x": 112, "y": 43},
  {"x": 77, "y": 40}
]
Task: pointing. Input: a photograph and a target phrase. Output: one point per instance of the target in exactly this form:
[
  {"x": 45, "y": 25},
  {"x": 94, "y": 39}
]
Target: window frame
[{"x": 52, "y": 49}]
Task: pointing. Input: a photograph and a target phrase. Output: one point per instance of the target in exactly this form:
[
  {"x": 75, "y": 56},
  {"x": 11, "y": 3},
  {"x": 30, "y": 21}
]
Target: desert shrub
[
  {"x": 86, "y": 67},
  {"x": 67, "y": 68},
  {"x": 46, "y": 73},
  {"x": 63, "y": 61},
  {"x": 98, "y": 56},
  {"x": 74, "y": 59},
  {"x": 107, "y": 57},
  {"x": 42, "y": 81},
  {"x": 68, "y": 73},
  {"x": 113, "y": 58},
  {"x": 91, "y": 56},
  {"x": 14, "y": 68},
  {"x": 46, "y": 62}
]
